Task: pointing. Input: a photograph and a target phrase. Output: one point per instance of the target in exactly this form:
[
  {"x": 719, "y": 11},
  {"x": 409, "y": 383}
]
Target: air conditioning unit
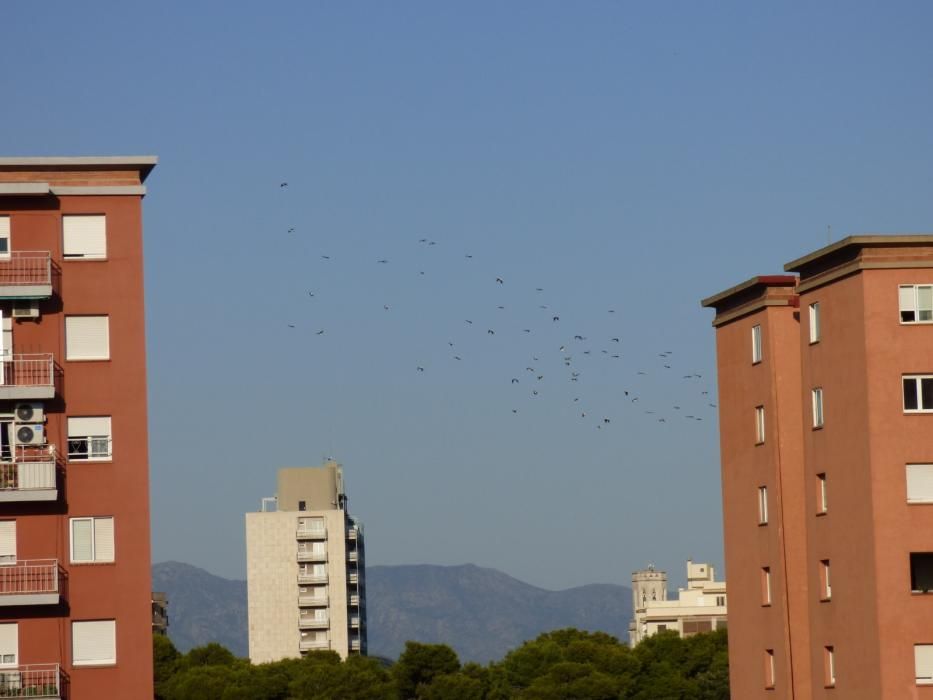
[
  {"x": 30, "y": 434},
  {"x": 29, "y": 412},
  {"x": 26, "y": 309}
]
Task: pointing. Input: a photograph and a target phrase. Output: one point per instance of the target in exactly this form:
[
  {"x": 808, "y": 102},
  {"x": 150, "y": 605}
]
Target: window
[
  {"x": 91, "y": 540},
  {"x": 759, "y": 425},
  {"x": 920, "y": 483},
  {"x": 87, "y": 338},
  {"x": 918, "y": 393},
  {"x": 762, "y": 505},
  {"x": 817, "y": 396},
  {"x": 769, "y": 668},
  {"x": 4, "y": 237},
  {"x": 766, "y": 585},
  {"x": 302, "y": 505},
  {"x": 89, "y": 439},
  {"x": 921, "y": 572},
  {"x": 84, "y": 237},
  {"x": 94, "y": 642},
  {"x": 916, "y": 302},
  {"x": 821, "y": 494},
  {"x": 826, "y": 588},
  {"x": 829, "y": 666},
  {"x": 7, "y": 542},
  {"x": 720, "y": 601},
  {"x": 923, "y": 663},
  {"x": 815, "y": 322},
  {"x": 9, "y": 647},
  {"x": 756, "y": 344}
]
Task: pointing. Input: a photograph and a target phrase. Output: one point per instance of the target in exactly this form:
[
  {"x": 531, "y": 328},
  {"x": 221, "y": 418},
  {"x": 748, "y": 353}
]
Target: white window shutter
[
  {"x": 87, "y": 338},
  {"x": 7, "y": 540},
  {"x": 84, "y": 236},
  {"x": 94, "y": 642},
  {"x": 103, "y": 539},
  {"x": 906, "y": 297},
  {"x": 920, "y": 483},
  {"x": 82, "y": 540},
  {"x": 84, "y": 427},
  {"x": 923, "y": 663},
  {"x": 4, "y": 226},
  {"x": 9, "y": 643}
]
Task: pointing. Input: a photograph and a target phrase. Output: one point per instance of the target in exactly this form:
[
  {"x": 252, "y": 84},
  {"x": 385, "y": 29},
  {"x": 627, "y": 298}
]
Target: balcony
[
  {"x": 353, "y": 601},
  {"x": 26, "y": 274},
  {"x": 352, "y": 533},
  {"x": 309, "y": 622},
  {"x": 31, "y": 681},
  {"x": 28, "y": 474},
  {"x": 309, "y": 533},
  {"x": 312, "y": 601},
  {"x": 354, "y": 579},
  {"x": 27, "y": 376},
  {"x": 306, "y": 555},
  {"x": 313, "y": 644},
  {"x": 354, "y": 645},
  {"x": 311, "y": 578},
  {"x": 353, "y": 556},
  {"x": 354, "y": 620},
  {"x": 30, "y": 582}
]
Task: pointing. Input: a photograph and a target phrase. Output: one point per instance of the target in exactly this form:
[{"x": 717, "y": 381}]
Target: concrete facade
[
  {"x": 846, "y": 537},
  {"x": 305, "y": 569},
  {"x": 45, "y": 486},
  {"x": 700, "y": 607}
]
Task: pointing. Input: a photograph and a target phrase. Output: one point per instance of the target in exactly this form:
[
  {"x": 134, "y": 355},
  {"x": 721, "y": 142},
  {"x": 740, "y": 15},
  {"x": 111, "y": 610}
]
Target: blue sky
[{"x": 617, "y": 155}]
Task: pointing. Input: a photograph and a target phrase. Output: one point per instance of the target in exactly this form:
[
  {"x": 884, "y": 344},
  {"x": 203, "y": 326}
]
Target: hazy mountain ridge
[{"x": 482, "y": 613}]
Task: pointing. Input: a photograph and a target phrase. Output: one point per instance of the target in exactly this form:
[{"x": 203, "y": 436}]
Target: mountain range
[{"x": 482, "y": 613}]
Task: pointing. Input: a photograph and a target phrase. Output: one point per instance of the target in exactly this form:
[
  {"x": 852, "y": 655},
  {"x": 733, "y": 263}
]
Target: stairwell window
[
  {"x": 84, "y": 237},
  {"x": 826, "y": 588},
  {"x": 817, "y": 400},
  {"x": 756, "y": 344},
  {"x": 759, "y": 425},
  {"x": 829, "y": 666},
  {"x": 918, "y": 393},
  {"x": 769, "y": 668},
  {"x": 89, "y": 439},
  {"x": 821, "y": 494},
  {"x": 766, "y": 585},
  {"x": 762, "y": 505},
  {"x": 815, "y": 322},
  {"x": 916, "y": 303},
  {"x": 92, "y": 540}
]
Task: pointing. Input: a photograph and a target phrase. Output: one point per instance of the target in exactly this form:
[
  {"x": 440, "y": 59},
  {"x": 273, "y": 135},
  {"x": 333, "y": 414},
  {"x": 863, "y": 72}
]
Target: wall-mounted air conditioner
[
  {"x": 29, "y": 412},
  {"x": 30, "y": 434},
  {"x": 26, "y": 309}
]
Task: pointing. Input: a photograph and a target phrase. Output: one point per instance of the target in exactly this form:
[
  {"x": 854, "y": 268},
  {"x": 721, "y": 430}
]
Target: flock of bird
[{"x": 573, "y": 352}]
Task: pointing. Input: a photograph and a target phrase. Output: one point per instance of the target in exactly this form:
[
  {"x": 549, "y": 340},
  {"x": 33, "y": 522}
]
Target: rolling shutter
[
  {"x": 84, "y": 236},
  {"x": 7, "y": 541},
  {"x": 923, "y": 663},
  {"x": 9, "y": 643},
  {"x": 84, "y": 427},
  {"x": 87, "y": 338},
  {"x": 103, "y": 539},
  {"x": 94, "y": 642},
  {"x": 919, "y": 483},
  {"x": 906, "y": 296}
]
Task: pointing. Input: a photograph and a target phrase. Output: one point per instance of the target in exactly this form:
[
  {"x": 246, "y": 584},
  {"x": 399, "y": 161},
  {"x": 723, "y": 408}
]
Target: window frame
[
  {"x": 95, "y": 662},
  {"x": 918, "y": 388},
  {"x": 756, "y": 344},
  {"x": 765, "y": 586},
  {"x": 923, "y": 680},
  {"x": 907, "y": 480},
  {"x": 816, "y": 407},
  {"x": 829, "y": 666},
  {"x": 816, "y": 331},
  {"x": 915, "y": 308},
  {"x": 107, "y": 356},
  {"x": 760, "y": 425},
  {"x": 69, "y": 257},
  {"x": 770, "y": 674},
  {"x": 6, "y": 233},
  {"x": 826, "y": 586},
  {"x": 762, "y": 505},
  {"x": 821, "y": 502},
  {"x": 93, "y": 519},
  {"x": 90, "y": 441}
]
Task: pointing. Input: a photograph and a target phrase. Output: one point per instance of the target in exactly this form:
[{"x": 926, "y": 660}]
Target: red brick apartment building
[
  {"x": 826, "y": 422},
  {"x": 75, "y": 617}
]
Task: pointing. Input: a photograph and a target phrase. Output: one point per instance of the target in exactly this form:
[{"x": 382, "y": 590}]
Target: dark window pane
[
  {"x": 926, "y": 393},
  {"x": 921, "y": 571},
  {"x": 907, "y": 316},
  {"x": 910, "y": 394}
]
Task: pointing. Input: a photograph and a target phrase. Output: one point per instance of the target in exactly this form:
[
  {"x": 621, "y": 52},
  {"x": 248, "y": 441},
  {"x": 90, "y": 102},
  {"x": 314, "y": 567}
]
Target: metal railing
[
  {"x": 311, "y": 601},
  {"x": 36, "y": 369},
  {"x": 26, "y": 268},
  {"x": 311, "y": 578},
  {"x": 355, "y": 644},
  {"x": 354, "y": 601},
  {"x": 311, "y": 622},
  {"x": 31, "y": 681},
  {"x": 354, "y": 578},
  {"x": 353, "y": 555},
  {"x": 351, "y": 533},
  {"x": 28, "y": 577},
  {"x": 28, "y": 468},
  {"x": 308, "y": 644}
]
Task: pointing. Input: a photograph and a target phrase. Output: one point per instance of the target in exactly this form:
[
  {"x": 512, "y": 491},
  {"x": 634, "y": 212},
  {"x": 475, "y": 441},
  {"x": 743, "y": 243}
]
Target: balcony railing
[
  {"x": 312, "y": 601},
  {"x": 28, "y": 474},
  {"x": 355, "y": 644},
  {"x": 31, "y": 681},
  {"x": 354, "y": 621},
  {"x": 353, "y": 578},
  {"x": 311, "y": 644},
  {"x": 27, "y": 376},
  {"x": 311, "y": 578},
  {"x": 353, "y": 555},
  {"x": 311, "y": 533},
  {"x": 29, "y": 582},
  {"x": 308, "y": 555},
  {"x": 354, "y": 601},
  {"x": 26, "y": 274},
  {"x": 351, "y": 533},
  {"x": 309, "y": 622}
]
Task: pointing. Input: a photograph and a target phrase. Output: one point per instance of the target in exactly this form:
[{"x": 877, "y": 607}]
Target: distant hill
[{"x": 482, "y": 613}]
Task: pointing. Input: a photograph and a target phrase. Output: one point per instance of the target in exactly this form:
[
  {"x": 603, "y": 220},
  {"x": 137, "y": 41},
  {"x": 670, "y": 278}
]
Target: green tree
[
  {"x": 164, "y": 662},
  {"x": 452, "y": 686},
  {"x": 419, "y": 664}
]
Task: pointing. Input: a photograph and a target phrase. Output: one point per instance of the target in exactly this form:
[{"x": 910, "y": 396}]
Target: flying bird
[
  {"x": 283, "y": 184},
  {"x": 500, "y": 280},
  {"x": 457, "y": 357},
  {"x": 556, "y": 318},
  {"x": 291, "y": 230},
  {"x": 514, "y": 380},
  {"x": 382, "y": 262},
  {"x": 420, "y": 369},
  {"x": 491, "y": 331},
  {"x": 325, "y": 257},
  {"x": 291, "y": 325},
  {"x": 320, "y": 332}
]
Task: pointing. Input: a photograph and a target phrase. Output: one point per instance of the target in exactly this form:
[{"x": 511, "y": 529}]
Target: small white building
[{"x": 700, "y": 607}]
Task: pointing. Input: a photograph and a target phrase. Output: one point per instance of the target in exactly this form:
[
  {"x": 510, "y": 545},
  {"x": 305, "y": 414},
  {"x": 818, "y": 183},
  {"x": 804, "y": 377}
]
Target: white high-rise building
[{"x": 305, "y": 569}]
